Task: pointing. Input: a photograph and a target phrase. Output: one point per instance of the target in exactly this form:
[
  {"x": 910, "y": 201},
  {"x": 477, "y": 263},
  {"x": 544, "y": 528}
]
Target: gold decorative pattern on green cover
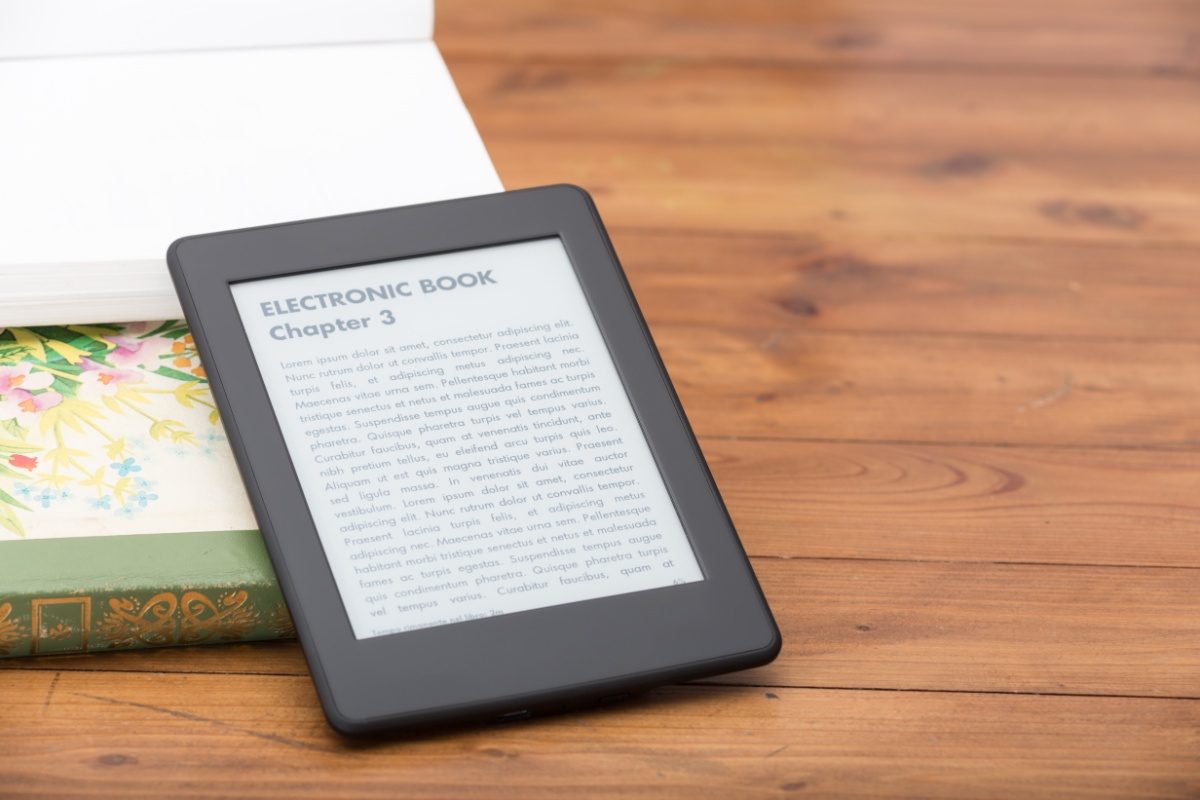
[
  {"x": 60, "y": 624},
  {"x": 12, "y": 632},
  {"x": 281, "y": 622},
  {"x": 229, "y": 618},
  {"x": 167, "y": 618},
  {"x": 65, "y": 624}
]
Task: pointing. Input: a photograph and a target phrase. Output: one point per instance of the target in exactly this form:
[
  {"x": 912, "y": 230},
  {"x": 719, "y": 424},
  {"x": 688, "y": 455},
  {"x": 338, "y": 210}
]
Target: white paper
[
  {"x": 41, "y": 28},
  {"x": 462, "y": 436},
  {"x": 107, "y": 160}
]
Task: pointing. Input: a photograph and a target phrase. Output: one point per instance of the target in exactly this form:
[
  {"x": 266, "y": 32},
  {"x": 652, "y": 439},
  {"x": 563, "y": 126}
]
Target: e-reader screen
[{"x": 461, "y": 434}]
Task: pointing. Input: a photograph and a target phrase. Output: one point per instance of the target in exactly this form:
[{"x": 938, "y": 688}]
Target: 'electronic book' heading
[{"x": 358, "y": 296}]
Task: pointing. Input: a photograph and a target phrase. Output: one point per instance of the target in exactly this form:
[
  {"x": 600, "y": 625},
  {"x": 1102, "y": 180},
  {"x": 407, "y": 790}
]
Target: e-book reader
[{"x": 475, "y": 481}]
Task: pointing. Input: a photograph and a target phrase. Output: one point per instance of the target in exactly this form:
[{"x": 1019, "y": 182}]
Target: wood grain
[
  {"x": 1002, "y": 119},
  {"x": 892, "y": 285},
  {"x": 1148, "y": 37},
  {"x": 188, "y": 736},
  {"x": 961, "y": 503},
  {"x": 793, "y": 188},
  {"x": 768, "y": 149},
  {"x": 790, "y": 384}
]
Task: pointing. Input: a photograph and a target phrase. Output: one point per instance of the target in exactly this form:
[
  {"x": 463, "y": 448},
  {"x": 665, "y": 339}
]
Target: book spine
[
  {"x": 98, "y": 593},
  {"x": 35, "y": 624}
]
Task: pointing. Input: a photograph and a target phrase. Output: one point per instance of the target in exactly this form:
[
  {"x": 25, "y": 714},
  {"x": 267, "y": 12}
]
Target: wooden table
[{"x": 926, "y": 275}]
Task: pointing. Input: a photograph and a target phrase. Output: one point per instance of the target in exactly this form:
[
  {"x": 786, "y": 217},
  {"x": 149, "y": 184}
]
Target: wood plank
[
  {"x": 902, "y": 285},
  {"x": 897, "y": 626},
  {"x": 902, "y": 155},
  {"x": 1150, "y": 35},
  {"x": 141, "y": 736},
  {"x": 797, "y": 188},
  {"x": 998, "y": 119},
  {"x": 913, "y": 388},
  {"x": 961, "y": 503},
  {"x": 984, "y": 627}
]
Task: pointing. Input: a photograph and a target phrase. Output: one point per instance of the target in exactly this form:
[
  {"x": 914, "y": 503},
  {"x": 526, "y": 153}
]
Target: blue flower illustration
[
  {"x": 25, "y": 490},
  {"x": 101, "y": 503},
  {"x": 126, "y": 467},
  {"x": 143, "y": 498},
  {"x": 46, "y": 497}
]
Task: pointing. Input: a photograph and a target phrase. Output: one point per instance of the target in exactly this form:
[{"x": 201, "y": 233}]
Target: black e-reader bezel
[{"x": 508, "y": 665}]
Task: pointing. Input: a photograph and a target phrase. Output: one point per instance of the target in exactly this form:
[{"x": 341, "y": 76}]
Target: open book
[{"x": 128, "y": 124}]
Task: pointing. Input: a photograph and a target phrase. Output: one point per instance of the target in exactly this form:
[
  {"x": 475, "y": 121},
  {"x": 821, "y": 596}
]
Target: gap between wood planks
[
  {"x": 705, "y": 683},
  {"x": 814, "y": 238},
  {"x": 936, "y": 334},
  {"x": 816, "y": 64},
  {"x": 1184, "y": 447},
  {"x": 702, "y": 683}
]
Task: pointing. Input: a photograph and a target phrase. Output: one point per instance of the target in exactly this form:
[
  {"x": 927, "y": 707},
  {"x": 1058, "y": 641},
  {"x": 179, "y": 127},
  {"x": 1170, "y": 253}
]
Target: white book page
[
  {"x": 107, "y": 160},
  {"x": 40, "y": 28}
]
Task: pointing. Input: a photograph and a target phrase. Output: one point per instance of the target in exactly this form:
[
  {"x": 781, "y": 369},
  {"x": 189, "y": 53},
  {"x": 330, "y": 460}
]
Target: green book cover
[{"x": 122, "y": 519}]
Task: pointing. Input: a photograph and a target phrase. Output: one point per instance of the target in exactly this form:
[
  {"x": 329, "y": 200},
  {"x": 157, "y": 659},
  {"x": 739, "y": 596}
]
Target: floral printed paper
[{"x": 111, "y": 429}]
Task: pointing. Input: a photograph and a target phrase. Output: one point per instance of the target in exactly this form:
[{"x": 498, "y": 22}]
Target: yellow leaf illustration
[
  {"x": 96, "y": 480},
  {"x": 84, "y": 408},
  {"x": 112, "y": 403},
  {"x": 127, "y": 392},
  {"x": 56, "y": 480},
  {"x": 31, "y": 342},
  {"x": 212, "y": 417},
  {"x": 67, "y": 415},
  {"x": 164, "y": 427},
  {"x": 46, "y": 420},
  {"x": 60, "y": 457},
  {"x": 183, "y": 393},
  {"x": 67, "y": 412},
  {"x": 120, "y": 488},
  {"x": 115, "y": 449},
  {"x": 68, "y": 351},
  {"x": 15, "y": 446}
]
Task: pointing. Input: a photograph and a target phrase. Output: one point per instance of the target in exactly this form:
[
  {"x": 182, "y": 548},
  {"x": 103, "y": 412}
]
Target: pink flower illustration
[
  {"x": 97, "y": 380},
  {"x": 131, "y": 352},
  {"x": 23, "y": 406},
  {"x": 22, "y": 376}
]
